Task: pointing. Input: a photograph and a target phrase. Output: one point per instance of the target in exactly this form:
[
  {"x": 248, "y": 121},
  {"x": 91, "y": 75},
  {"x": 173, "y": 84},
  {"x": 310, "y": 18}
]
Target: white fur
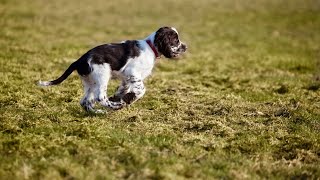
[
  {"x": 174, "y": 30},
  {"x": 43, "y": 83},
  {"x": 175, "y": 48}
]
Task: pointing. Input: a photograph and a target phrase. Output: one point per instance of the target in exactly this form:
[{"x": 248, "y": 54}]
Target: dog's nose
[{"x": 184, "y": 47}]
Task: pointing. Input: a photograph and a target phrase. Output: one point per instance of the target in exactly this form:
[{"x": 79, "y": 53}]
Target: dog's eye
[{"x": 175, "y": 42}]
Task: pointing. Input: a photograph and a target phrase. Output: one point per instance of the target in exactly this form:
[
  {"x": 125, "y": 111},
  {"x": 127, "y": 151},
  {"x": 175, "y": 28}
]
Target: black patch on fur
[
  {"x": 115, "y": 54},
  {"x": 165, "y": 38},
  {"x": 83, "y": 67},
  {"x": 129, "y": 97},
  {"x": 115, "y": 98}
]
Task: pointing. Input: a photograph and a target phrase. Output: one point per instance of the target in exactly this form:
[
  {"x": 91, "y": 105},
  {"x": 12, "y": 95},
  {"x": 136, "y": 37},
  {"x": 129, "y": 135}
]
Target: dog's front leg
[
  {"x": 123, "y": 89},
  {"x": 137, "y": 90}
]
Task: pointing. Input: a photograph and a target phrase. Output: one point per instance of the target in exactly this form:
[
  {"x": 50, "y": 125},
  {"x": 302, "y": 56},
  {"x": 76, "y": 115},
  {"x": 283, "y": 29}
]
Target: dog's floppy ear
[{"x": 163, "y": 40}]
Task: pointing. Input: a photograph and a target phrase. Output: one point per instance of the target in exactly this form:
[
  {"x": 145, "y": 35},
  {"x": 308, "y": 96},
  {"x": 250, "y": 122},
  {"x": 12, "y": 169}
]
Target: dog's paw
[
  {"x": 129, "y": 98},
  {"x": 117, "y": 105},
  {"x": 114, "y": 98},
  {"x": 99, "y": 111}
]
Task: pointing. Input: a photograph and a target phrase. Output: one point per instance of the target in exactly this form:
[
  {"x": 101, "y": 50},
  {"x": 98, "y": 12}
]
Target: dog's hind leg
[
  {"x": 95, "y": 87},
  {"x": 104, "y": 100},
  {"x": 100, "y": 76},
  {"x": 87, "y": 102}
]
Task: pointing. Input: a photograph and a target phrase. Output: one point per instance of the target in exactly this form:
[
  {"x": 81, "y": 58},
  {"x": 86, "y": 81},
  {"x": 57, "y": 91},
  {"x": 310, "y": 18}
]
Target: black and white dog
[{"x": 132, "y": 61}]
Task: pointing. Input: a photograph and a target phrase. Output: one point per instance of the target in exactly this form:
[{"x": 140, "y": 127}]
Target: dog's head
[{"x": 168, "y": 43}]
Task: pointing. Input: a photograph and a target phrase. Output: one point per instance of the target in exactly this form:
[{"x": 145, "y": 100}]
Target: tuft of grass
[{"x": 243, "y": 103}]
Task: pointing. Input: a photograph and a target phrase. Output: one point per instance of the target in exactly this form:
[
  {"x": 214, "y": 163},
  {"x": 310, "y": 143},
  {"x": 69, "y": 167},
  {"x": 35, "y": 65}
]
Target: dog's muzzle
[{"x": 183, "y": 48}]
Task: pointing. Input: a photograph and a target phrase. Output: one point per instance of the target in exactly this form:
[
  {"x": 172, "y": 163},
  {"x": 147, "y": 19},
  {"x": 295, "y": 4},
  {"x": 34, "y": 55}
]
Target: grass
[{"x": 243, "y": 103}]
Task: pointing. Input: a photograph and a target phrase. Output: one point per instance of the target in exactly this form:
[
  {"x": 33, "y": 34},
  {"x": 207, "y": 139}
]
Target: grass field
[{"x": 243, "y": 103}]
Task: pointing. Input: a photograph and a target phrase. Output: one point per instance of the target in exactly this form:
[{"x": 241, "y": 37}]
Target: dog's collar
[{"x": 153, "y": 49}]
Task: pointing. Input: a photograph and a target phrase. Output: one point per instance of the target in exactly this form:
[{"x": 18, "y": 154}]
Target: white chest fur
[{"x": 140, "y": 66}]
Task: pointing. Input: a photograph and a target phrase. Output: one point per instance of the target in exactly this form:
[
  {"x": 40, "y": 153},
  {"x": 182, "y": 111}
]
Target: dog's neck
[
  {"x": 150, "y": 42},
  {"x": 155, "y": 51}
]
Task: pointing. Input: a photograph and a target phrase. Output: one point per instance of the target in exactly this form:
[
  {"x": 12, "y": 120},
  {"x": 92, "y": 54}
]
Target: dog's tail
[{"x": 64, "y": 76}]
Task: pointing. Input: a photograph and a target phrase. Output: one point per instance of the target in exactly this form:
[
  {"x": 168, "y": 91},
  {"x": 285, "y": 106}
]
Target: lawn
[{"x": 243, "y": 103}]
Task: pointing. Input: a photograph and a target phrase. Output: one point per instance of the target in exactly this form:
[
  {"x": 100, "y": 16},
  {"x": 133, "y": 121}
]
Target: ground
[{"x": 243, "y": 103}]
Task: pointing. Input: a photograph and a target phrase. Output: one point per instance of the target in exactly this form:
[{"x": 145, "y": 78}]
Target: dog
[{"x": 132, "y": 61}]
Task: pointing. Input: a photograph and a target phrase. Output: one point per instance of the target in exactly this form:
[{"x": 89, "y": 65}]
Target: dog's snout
[{"x": 184, "y": 47}]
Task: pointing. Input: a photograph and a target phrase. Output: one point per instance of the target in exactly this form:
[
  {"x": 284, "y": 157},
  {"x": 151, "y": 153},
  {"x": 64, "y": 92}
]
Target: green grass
[{"x": 243, "y": 103}]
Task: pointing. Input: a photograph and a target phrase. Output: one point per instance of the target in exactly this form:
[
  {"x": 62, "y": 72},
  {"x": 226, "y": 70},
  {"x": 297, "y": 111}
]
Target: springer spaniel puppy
[{"x": 131, "y": 61}]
